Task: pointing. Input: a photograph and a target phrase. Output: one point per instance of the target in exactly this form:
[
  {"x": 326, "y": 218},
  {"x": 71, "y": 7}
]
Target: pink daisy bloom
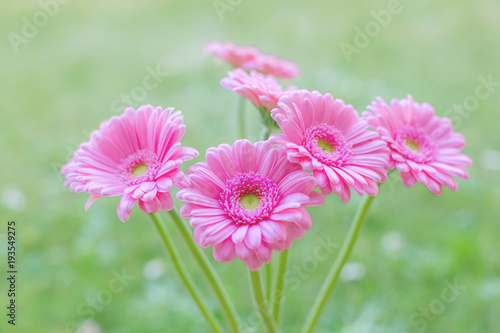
[
  {"x": 424, "y": 147},
  {"x": 263, "y": 91},
  {"x": 248, "y": 200},
  {"x": 328, "y": 137},
  {"x": 136, "y": 156},
  {"x": 272, "y": 65},
  {"x": 250, "y": 58},
  {"x": 231, "y": 53}
]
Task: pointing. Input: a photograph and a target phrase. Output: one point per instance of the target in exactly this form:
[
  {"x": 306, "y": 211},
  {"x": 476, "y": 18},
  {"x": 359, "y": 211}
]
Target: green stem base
[
  {"x": 278, "y": 294},
  {"x": 260, "y": 302},
  {"x": 210, "y": 273},
  {"x": 183, "y": 273},
  {"x": 333, "y": 275}
]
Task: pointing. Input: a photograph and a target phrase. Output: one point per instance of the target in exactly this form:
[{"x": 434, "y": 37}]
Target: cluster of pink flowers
[{"x": 248, "y": 199}]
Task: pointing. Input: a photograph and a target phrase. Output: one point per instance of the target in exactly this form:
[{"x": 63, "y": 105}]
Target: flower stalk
[
  {"x": 260, "y": 302},
  {"x": 242, "y": 132},
  {"x": 269, "y": 281},
  {"x": 183, "y": 273},
  {"x": 334, "y": 272},
  {"x": 279, "y": 288},
  {"x": 208, "y": 270}
]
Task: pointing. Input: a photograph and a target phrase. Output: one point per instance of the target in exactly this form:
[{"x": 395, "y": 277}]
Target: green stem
[
  {"x": 279, "y": 288},
  {"x": 269, "y": 279},
  {"x": 260, "y": 302},
  {"x": 210, "y": 273},
  {"x": 242, "y": 133},
  {"x": 184, "y": 275},
  {"x": 333, "y": 275}
]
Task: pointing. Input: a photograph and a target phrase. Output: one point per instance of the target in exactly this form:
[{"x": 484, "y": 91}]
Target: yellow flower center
[
  {"x": 249, "y": 201},
  {"x": 325, "y": 146},
  {"x": 140, "y": 170},
  {"x": 412, "y": 145}
]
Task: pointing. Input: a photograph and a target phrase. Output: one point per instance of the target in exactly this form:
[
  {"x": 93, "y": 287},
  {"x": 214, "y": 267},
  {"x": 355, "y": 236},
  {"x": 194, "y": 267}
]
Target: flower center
[
  {"x": 249, "y": 201},
  {"x": 139, "y": 167},
  {"x": 414, "y": 144},
  {"x": 327, "y": 144},
  {"x": 140, "y": 170},
  {"x": 249, "y": 197}
]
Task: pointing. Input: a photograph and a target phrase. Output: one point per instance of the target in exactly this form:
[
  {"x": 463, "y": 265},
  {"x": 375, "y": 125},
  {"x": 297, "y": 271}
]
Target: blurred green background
[{"x": 69, "y": 71}]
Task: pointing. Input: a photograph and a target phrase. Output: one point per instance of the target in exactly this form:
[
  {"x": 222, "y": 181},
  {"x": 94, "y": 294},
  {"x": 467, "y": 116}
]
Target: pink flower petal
[
  {"x": 198, "y": 221},
  {"x": 166, "y": 201},
  {"x": 91, "y": 200},
  {"x": 297, "y": 181},
  {"x": 253, "y": 237},
  {"x": 151, "y": 206},
  {"x": 149, "y": 195},
  {"x": 224, "y": 251},
  {"x": 239, "y": 235},
  {"x": 272, "y": 231},
  {"x": 147, "y": 186},
  {"x": 253, "y": 262},
  {"x": 164, "y": 184},
  {"x": 125, "y": 206},
  {"x": 242, "y": 251},
  {"x": 315, "y": 199},
  {"x": 221, "y": 234},
  {"x": 263, "y": 254}
]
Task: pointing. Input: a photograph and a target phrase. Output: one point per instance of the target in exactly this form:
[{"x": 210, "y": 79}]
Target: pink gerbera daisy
[
  {"x": 248, "y": 200},
  {"x": 272, "y": 65},
  {"x": 423, "y": 146},
  {"x": 263, "y": 91},
  {"x": 328, "y": 137},
  {"x": 250, "y": 58},
  {"x": 231, "y": 53},
  {"x": 136, "y": 156}
]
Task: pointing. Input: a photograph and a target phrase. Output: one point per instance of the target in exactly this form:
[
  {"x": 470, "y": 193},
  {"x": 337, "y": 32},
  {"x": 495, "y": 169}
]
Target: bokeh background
[{"x": 68, "y": 72}]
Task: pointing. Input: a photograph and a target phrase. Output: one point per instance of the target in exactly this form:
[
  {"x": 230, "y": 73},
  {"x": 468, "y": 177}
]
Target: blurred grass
[{"x": 61, "y": 85}]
